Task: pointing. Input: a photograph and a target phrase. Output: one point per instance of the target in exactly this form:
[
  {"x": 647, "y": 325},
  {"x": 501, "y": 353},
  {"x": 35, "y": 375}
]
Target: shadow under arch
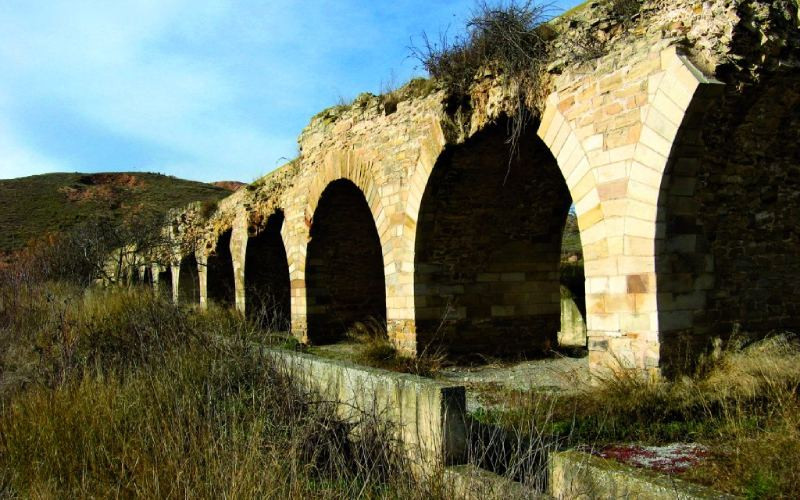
[
  {"x": 147, "y": 278},
  {"x": 345, "y": 281},
  {"x": 488, "y": 247},
  {"x": 726, "y": 252},
  {"x": 266, "y": 276},
  {"x": 221, "y": 288},
  {"x": 188, "y": 281},
  {"x": 164, "y": 284}
]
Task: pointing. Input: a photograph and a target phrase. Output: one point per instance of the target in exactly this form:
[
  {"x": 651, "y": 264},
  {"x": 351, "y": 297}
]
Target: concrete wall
[
  {"x": 428, "y": 417},
  {"x": 577, "y": 475}
]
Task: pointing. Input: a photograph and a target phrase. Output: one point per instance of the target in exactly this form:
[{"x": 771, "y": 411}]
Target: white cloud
[{"x": 224, "y": 86}]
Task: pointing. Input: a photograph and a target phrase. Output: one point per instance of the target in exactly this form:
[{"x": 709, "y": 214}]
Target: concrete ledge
[
  {"x": 428, "y": 416},
  {"x": 574, "y": 474},
  {"x": 470, "y": 482}
]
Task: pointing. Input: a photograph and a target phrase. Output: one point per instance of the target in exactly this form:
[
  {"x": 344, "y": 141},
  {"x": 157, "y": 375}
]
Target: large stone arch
[
  {"x": 188, "y": 286},
  {"x": 162, "y": 280},
  {"x": 614, "y": 160},
  {"x": 726, "y": 247},
  {"x": 266, "y": 275},
  {"x": 344, "y": 271},
  {"x": 488, "y": 247},
  {"x": 348, "y": 165},
  {"x": 219, "y": 273},
  {"x": 337, "y": 165}
]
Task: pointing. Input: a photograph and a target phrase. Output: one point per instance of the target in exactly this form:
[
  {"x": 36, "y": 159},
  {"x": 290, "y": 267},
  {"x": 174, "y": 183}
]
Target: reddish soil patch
[
  {"x": 229, "y": 185},
  {"x": 670, "y": 459},
  {"x": 101, "y": 187}
]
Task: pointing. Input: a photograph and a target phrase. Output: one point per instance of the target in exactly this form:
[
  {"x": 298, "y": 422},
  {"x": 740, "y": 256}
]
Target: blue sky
[{"x": 201, "y": 89}]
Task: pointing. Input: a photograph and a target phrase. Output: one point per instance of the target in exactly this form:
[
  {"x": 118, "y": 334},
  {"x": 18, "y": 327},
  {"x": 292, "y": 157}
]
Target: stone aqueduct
[{"x": 678, "y": 149}]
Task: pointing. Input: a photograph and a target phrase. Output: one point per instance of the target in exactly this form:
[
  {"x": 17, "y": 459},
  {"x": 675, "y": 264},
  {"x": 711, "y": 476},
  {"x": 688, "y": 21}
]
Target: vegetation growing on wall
[{"x": 509, "y": 38}]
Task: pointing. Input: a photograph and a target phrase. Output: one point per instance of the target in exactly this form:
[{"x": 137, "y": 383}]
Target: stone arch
[
  {"x": 266, "y": 276},
  {"x": 726, "y": 258},
  {"x": 488, "y": 247},
  {"x": 347, "y": 165},
  {"x": 219, "y": 268},
  {"x": 188, "y": 280},
  {"x": 147, "y": 275},
  {"x": 344, "y": 269},
  {"x": 163, "y": 280},
  {"x": 623, "y": 149}
]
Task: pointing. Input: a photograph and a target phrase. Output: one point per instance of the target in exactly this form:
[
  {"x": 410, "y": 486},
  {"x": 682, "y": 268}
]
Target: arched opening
[
  {"x": 267, "y": 277},
  {"x": 488, "y": 248},
  {"x": 344, "y": 266},
  {"x": 726, "y": 246},
  {"x": 188, "y": 281},
  {"x": 221, "y": 288},
  {"x": 164, "y": 285},
  {"x": 147, "y": 276},
  {"x": 132, "y": 275}
]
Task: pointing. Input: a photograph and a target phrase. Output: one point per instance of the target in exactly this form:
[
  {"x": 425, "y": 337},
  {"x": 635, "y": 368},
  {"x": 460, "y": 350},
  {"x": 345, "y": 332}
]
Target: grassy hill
[{"x": 32, "y": 206}]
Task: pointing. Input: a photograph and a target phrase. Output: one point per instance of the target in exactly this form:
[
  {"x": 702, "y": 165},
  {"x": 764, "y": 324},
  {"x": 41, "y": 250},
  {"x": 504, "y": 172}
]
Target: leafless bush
[
  {"x": 96, "y": 249},
  {"x": 507, "y": 37}
]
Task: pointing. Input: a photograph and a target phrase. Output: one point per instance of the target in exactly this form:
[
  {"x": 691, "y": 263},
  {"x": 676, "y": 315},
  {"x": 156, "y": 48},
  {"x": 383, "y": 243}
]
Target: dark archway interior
[
  {"x": 727, "y": 259},
  {"x": 221, "y": 287},
  {"x": 488, "y": 248},
  {"x": 266, "y": 278},
  {"x": 165, "y": 282},
  {"x": 132, "y": 275},
  {"x": 189, "y": 281},
  {"x": 344, "y": 266},
  {"x": 148, "y": 276}
]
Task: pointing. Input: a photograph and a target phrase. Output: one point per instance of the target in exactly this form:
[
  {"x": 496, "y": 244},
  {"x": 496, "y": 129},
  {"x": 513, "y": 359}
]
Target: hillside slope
[{"x": 32, "y": 206}]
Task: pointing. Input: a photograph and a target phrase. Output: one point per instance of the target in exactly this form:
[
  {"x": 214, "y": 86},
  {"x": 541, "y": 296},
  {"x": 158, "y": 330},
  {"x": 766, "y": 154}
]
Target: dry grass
[
  {"x": 118, "y": 392},
  {"x": 743, "y": 404},
  {"x": 379, "y": 352}
]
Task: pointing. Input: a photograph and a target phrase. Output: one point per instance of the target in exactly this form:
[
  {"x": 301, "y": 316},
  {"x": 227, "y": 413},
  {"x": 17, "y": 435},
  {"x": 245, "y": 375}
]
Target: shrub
[
  {"x": 509, "y": 38},
  {"x": 626, "y": 8},
  {"x": 743, "y": 405},
  {"x": 150, "y": 403},
  {"x": 504, "y": 36}
]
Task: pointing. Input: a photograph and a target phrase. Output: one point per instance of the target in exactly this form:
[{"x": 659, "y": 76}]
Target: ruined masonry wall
[{"x": 617, "y": 125}]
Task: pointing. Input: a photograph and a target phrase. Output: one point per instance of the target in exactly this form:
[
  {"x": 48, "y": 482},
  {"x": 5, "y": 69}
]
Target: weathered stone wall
[{"x": 674, "y": 133}]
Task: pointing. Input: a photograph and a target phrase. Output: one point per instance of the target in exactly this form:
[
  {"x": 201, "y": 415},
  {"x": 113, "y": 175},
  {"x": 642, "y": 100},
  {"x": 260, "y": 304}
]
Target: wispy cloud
[{"x": 206, "y": 89}]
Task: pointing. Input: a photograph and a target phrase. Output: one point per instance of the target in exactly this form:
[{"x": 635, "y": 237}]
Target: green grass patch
[{"x": 33, "y": 206}]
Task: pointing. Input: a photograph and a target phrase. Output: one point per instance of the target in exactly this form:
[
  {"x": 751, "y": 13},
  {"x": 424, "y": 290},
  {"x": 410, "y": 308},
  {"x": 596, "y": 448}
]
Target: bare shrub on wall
[{"x": 509, "y": 38}]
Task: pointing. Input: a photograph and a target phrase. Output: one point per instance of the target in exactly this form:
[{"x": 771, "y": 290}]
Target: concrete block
[
  {"x": 472, "y": 483},
  {"x": 426, "y": 416},
  {"x": 574, "y": 474}
]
